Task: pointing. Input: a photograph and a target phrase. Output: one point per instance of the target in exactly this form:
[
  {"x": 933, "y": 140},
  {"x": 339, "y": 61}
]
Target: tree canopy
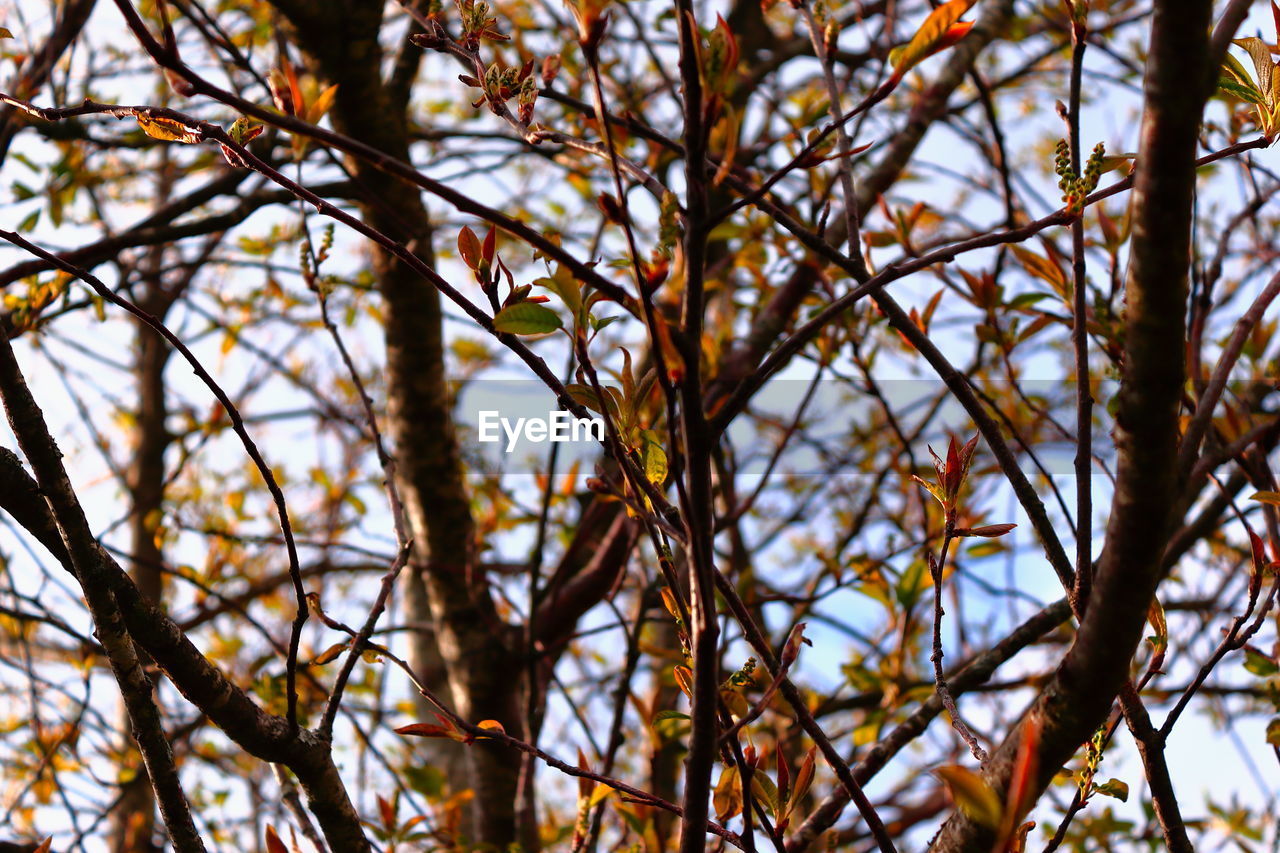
[{"x": 627, "y": 425}]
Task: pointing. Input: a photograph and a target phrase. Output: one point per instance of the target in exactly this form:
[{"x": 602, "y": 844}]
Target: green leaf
[
  {"x": 911, "y": 584},
  {"x": 526, "y": 318},
  {"x": 1026, "y": 300},
  {"x": 425, "y": 779},
  {"x": 1236, "y": 71},
  {"x": 1243, "y": 91},
  {"x": 598, "y": 323},
  {"x": 564, "y": 285},
  {"x": 1113, "y": 788},
  {"x": 1273, "y": 731},
  {"x": 765, "y": 791},
  {"x": 670, "y": 715},
  {"x": 1259, "y": 664}
]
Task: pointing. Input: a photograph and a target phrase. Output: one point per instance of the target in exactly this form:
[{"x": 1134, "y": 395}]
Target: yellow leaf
[
  {"x": 492, "y": 726},
  {"x": 1155, "y": 615},
  {"x": 727, "y": 797},
  {"x": 322, "y": 104},
  {"x": 655, "y": 460},
  {"x": 5, "y": 34},
  {"x": 1272, "y": 498},
  {"x": 600, "y": 792},
  {"x": 972, "y": 794},
  {"x": 329, "y": 654},
  {"x": 167, "y": 129}
]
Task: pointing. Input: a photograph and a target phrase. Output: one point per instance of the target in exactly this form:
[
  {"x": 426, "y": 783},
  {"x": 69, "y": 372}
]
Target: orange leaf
[
  {"x": 322, "y": 104},
  {"x": 938, "y": 31},
  {"x": 491, "y": 725},
  {"x": 952, "y": 36},
  {"x": 684, "y": 680}
]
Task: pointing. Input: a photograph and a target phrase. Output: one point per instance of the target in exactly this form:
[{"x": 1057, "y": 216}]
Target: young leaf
[
  {"x": 469, "y": 247},
  {"x": 938, "y": 32},
  {"x": 765, "y": 792},
  {"x": 387, "y": 812},
  {"x": 1259, "y": 664},
  {"x": 243, "y": 130},
  {"x": 1155, "y": 615},
  {"x": 1113, "y": 788},
  {"x": 281, "y": 92},
  {"x": 655, "y": 460},
  {"x": 991, "y": 531},
  {"x": 491, "y": 726},
  {"x": 274, "y": 844},
  {"x": 526, "y": 318},
  {"x": 972, "y": 794},
  {"x": 684, "y": 680},
  {"x": 1262, "y": 64},
  {"x": 445, "y": 729},
  {"x": 1243, "y": 91},
  {"x": 323, "y": 102},
  {"x": 804, "y": 778},
  {"x": 727, "y": 797},
  {"x": 167, "y": 130},
  {"x": 1273, "y": 732},
  {"x": 329, "y": 654}
]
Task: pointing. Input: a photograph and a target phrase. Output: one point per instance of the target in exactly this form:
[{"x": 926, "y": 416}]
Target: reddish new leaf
[
  {"x": 274, "y": 844},
  {"x": 469, "y": 247}
]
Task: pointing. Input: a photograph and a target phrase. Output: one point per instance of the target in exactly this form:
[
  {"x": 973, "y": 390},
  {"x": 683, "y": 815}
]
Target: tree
[{"x": 776, "y": 252}]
